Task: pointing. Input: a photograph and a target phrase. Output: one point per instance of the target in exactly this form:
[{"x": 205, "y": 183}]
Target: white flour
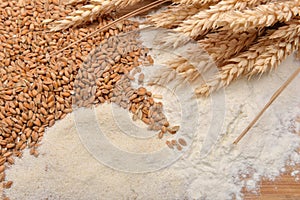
[{"x": 66, "y": 170}]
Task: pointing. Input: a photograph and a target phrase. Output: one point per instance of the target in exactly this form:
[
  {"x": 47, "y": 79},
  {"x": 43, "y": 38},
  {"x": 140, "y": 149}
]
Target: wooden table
[{"x": 283, "y": 188}]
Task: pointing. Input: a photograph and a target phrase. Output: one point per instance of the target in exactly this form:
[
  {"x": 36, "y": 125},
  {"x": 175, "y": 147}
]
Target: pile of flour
[{"x": 209, "y": 168}]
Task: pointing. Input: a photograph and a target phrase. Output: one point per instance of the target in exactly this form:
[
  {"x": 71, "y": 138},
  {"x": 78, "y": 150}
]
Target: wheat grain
[
  {"x": 182, "y": 142},
  {"x": 91, "y": 12},
  {"x": 116, "y": 22},
  {"x": 212, "y": 18},
  {"x": 260, "y": 16},
  {"x": 263, "y": 56}
]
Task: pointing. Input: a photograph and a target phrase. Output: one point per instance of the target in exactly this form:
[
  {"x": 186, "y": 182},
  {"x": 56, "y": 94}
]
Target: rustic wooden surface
[{"x": 283, "y": 188}]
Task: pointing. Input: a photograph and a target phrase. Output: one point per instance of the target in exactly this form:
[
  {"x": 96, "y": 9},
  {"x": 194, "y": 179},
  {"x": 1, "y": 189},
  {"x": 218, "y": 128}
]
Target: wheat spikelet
[
  {"x": 173, "y": 16},
  {"x": 195, "y": 2},
  {"x": 225, "y": 44},
  {"x": 90, "y": 12},
  {"x": 203, "y": 21},
  {"x": 74, "y": 2},
  {"x": 121, "y": 4},
  {"x": 261, "y": 16},
  {"x": 265, "y": 55},
  {"x": 178, "y": 68},
  {"x": 182, "y": 70},
  {"x": 167, "y": 39},
  {"x": 185, "y": 68},
  {"x": 86, "y": 13}
]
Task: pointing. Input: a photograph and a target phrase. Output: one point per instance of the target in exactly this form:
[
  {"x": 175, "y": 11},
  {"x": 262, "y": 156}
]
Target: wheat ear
[
  {"x": 265, "y": 55},
  {"x": 188, "y": 67},
  {"x": 173, "y": 16},
  {"x": 74, "y": 2},
  {"x": 181, "y": 69},
  {"x": 222, "y": 45},
  {"x": 195, "y": 2},
  {"x": 260, "y": 16},
  {"x": 203, "y": 21},
  {"x": 219, "y": 46},
  {"x": 90, "y": 12},
  {"x": 291, "y": 35}
]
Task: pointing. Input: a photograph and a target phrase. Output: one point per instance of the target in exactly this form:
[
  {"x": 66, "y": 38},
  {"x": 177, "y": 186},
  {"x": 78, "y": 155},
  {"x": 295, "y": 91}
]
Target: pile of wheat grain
[
  {"x": 243, "y": 37},
  {"x": 36, "y": 86}
]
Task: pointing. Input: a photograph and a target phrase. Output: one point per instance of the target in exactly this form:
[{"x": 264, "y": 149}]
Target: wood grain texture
[{"x": 283, "y": 187}]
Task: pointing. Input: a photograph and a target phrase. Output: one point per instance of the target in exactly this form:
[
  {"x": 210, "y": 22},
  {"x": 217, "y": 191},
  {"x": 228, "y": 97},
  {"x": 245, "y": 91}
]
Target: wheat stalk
[
  {"x": 203, "y": 21},
  {"x": 273, "y": 98},
  {"x": 90, "y": 12},
  {"x": 173, "y": 16},
  {"x": 265, "y": 55},
  {"x": 297, "y": 55},
  {"x": 261, "y": 16}
]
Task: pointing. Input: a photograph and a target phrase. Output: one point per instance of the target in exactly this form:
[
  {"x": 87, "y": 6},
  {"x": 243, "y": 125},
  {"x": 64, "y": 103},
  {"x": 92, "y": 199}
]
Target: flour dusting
[{"x": 66, "y": 170}]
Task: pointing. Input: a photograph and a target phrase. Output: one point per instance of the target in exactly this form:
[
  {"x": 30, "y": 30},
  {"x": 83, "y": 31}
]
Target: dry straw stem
[
  {"x": 90, "y": 12},
  {"x": 203, "y": 21},
  {"x": 260, "y": 16},
  {"x": 298, "y": 54},
  {"x": 173, "y": 16},
  {"x": 273, "y": 98},
  {"x": 263, "y": 56}
]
